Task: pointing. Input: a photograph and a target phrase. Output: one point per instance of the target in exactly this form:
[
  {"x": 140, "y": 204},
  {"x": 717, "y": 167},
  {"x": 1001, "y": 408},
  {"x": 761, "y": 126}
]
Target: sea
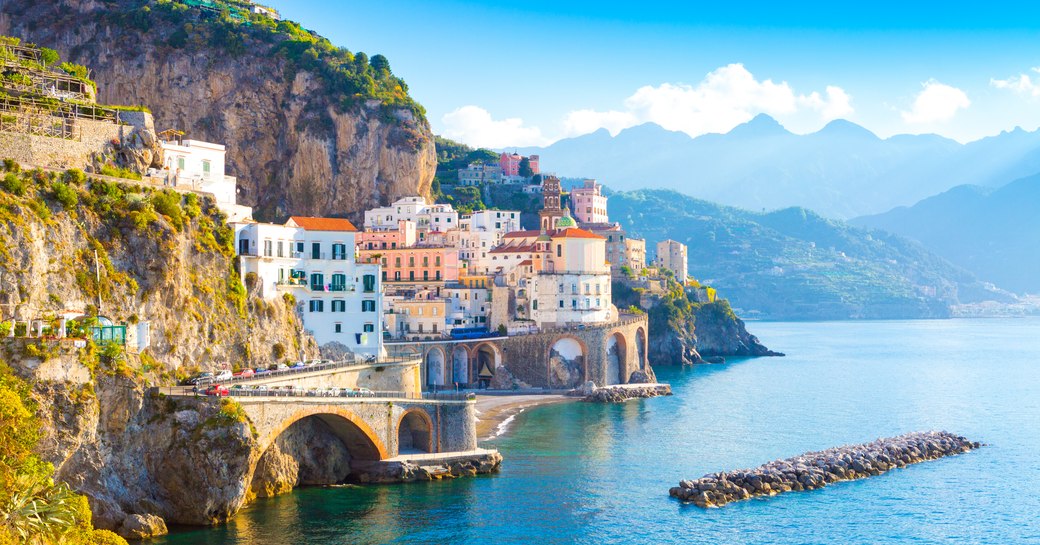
[{"x": 599, "y": 474}]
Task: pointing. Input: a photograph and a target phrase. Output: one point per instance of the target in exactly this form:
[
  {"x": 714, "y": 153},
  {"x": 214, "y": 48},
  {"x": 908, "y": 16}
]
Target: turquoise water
[{"x": 599, "y": 474}]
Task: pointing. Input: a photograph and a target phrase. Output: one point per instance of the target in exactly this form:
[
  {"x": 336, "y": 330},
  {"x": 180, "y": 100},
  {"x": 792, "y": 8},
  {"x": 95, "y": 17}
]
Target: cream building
[{"x": 671, "y": 255}]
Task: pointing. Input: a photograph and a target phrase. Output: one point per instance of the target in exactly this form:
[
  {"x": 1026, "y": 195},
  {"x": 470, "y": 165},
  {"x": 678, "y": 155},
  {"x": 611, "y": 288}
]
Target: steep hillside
[
  {"x": 310, "y": 128},
  {"x": 164, "y": 259},
  {"x": 794, "y": 264},
  {"x": 841, "y": 171},
  {"x": 992, "y": 233}
]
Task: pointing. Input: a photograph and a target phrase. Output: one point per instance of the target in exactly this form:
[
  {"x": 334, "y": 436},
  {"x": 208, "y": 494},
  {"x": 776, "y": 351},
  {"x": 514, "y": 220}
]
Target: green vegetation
[
  {"x": 352, "y": 77},
  {"x": 33, "y": 508},
  {"x": 794, "y": 264}
]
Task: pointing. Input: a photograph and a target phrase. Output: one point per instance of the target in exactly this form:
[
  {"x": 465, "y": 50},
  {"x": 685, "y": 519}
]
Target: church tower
[{"x": 551, "y": 206}]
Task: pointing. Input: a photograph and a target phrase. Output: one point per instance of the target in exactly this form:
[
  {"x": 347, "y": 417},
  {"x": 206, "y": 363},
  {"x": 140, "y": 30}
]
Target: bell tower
[{"x": 551, "y": 206}]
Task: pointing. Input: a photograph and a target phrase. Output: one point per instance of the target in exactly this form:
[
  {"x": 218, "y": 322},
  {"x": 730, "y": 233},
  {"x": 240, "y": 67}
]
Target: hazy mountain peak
[
  {"x": 846, "y": 128},
  {"x": 760, "y": 125}
]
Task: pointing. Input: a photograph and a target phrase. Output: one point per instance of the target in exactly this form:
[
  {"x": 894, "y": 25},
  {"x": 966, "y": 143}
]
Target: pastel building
[
  {"x": 671, "y": 255},
  {"x": 589, "y": 204},
  {"x": 339, "y": 299},
  {"x": 479, "y": 174},
  {"x": 414, "y": 264},
  {"x": 406, "y": 235},
  {"x": 201, "y": 165},
  {"x": 622, "y": 250},
  {"x": 510, "y": 164},
  {"x": 427, "y": 217}
]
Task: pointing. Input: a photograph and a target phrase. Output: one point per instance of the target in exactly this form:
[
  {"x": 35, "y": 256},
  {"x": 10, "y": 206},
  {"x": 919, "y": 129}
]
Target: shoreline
[{"x": 495, "y": 413}]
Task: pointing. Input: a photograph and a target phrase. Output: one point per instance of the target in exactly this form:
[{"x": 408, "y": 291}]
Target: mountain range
[
  {"x": 841, "y": 171},
  {"x": 995, "y": 233},
  {"x": 795, "y": 264}
]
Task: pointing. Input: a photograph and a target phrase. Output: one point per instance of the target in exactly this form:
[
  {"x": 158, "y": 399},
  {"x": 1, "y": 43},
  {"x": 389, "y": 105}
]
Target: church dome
[{"x": 566, "y": 222}]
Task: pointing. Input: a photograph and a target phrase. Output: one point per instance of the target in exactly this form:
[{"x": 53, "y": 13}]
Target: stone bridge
[
  {"x": 561, "y": 358},
  {"x": 371, "y": 429}
]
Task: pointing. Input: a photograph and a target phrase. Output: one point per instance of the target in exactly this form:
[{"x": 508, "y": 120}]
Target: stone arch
[
  {"x": 359, "y": 438},
  {"x": 487, "y": 358},
  {"x": 616, "y": 358},
  {"x": 641, "y": 347},
  {"x": 414, "y": 432},
  {"x": 435, "y": 367},
  {"x": 567, "y": 362},
  {"x": 460, "y": 365}
]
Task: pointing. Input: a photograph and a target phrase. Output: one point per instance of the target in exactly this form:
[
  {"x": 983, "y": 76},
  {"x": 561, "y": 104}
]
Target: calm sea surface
[{"x": 599, "y": 474}]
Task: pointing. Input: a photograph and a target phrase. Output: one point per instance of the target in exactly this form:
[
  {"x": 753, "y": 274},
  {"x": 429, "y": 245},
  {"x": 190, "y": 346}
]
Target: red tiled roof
[
  {"x": 576, "y": 233},
  {"x": 522, "y": 234},
  {"x": 510, "y": 249},
  {"x": 323, "y": 224}
]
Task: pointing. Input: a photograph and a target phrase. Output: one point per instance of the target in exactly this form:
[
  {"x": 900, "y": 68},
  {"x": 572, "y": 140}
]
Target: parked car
[
  {"x": 245, "y": 373},
  {"x": 261, "y": 371},
  {"x": 363, "y": 392},
  {"x": 282, "y": 367},
  {"x": 201, "y": 377},
  {"x": 223, "y": 375},
  {"x": 217, "y": 390},
  {"x": 261, "y": 390},
  {"x": 299, "y": 365}
]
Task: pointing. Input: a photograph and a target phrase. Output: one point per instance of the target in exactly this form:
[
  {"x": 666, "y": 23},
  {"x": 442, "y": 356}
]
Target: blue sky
[{"x": 527, "y": 73}]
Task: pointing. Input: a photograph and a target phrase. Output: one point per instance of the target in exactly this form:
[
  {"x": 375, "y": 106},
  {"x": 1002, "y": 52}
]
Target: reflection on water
[{"x": 599, "y": 474}]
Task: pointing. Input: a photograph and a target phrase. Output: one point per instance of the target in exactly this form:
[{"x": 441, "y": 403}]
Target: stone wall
[
  {"x": 386, "y": 377},
  {"x": 92, "y": 137}
]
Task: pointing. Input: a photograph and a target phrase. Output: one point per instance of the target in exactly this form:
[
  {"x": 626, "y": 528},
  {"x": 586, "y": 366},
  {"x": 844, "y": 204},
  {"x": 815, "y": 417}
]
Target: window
[
  {"x": 434, "y": 311},
  {"x": 205, "y": 168},
  {"x": 318, "y": 282},
  {"x": 561, "y": 288},
  {"x": 339, "y": 282},
  {"x": 267, "y": 248},
  {"x": 397, "y": 276},
  {"x": 534, "y": 304},
  {"x": 339, "y": 251},
  {"x": 368, "y": 306},
  {"x": 435, "y": 327},
  {"x": 315, "y": 250},
  {"x": 317, "y": 305},
  {"x": 561, "y": 303},
  {"x": 281, "y": 250},
  {"x": 397, "y": 261},
  {"x": 437, "y": 261},
  {"x": 426, "y": 261},
  {"x": 559, "y": 250},
  {"x": 411, "y": 275},
  {"x": 411, "y": 261},
  {"x": 384, "y": 276},
  {"x": 426, "y": 275},
  {"x": 438, "y": 275},
  {"x": 339, "y": 305},
  {"x": 574, "y": 303},
  {"x": 299, "y": 248},
  {"x": 180, "y": 163},
  {"x": 339, "y": 327},
  {"x": 369, "y": 328},
  {"x": 370, "y": 282}
]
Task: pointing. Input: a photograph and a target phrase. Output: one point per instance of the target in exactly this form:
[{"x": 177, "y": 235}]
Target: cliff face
[{"x": 293, "y": 147}]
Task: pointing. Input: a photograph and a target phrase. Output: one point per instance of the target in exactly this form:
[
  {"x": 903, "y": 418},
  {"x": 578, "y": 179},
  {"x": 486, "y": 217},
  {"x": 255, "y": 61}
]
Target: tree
[
  {"x": 525, "y": 168},
  {"x": 380, "y": 64}
]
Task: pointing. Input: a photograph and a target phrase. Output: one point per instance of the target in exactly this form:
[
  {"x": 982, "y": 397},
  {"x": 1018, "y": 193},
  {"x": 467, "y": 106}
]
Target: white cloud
[
  {"x": 474, "y": 126},
  {"x": 1021, "y": 83},
  {"x": 936, "y": 102},
  {"x": 726, "y": 97}
]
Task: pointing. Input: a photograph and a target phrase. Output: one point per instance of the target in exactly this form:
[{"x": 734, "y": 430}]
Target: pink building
[
  {"x": 415, "y": 264},
  {"x": 510, "y": 163},
  {"x": 535, "y": 169},
  {"x": 590, "y": 206},
  {"x": 402, "y": 237}
]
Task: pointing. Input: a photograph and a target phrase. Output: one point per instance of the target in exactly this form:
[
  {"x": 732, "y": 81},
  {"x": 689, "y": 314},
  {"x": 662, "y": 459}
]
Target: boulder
[{"x": 142, "y": 527}]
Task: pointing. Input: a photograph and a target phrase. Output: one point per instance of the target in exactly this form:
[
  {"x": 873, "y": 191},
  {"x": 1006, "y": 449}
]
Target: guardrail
[
  {"x": 346, "y": 393},
  {"x": 264, "y": 375}
]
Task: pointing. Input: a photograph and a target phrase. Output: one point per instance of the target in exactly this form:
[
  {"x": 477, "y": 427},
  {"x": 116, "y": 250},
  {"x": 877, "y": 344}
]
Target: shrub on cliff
[{"x": 33, "y": 508}]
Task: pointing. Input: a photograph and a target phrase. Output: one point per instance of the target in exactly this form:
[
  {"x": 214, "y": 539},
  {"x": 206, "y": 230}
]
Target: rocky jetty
[
  {"x": 386, "y": 472},
  {"x": 814, "y": 470},
  {"x": 624, "y": 392}
]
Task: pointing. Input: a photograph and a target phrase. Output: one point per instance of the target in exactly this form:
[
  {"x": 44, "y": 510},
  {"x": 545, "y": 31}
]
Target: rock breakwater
[
  {"x": 814, "y": 470},
  {"x": 624, "y": 392}
]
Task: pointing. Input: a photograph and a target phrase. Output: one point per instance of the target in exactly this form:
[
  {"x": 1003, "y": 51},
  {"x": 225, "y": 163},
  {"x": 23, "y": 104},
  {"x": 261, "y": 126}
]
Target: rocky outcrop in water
[
  {"x": 412, "y": 471},
  {"x": 814, "y": 470},
  {"x": 622, "y": 393}
]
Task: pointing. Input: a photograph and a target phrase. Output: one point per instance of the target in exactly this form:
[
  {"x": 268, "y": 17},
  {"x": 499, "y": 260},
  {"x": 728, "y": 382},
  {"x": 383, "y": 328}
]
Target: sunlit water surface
[{"x": 599, "y": 474}]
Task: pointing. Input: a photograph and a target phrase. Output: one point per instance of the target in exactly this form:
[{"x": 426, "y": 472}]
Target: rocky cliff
[
  {"x": 685, "y": 331},
  {"x": 163, "y": 259},
  {"x": 310, "y": 129}
]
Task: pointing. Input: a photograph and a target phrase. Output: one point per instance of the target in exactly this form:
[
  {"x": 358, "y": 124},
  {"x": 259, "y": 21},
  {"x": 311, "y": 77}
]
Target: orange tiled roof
[
  {"x": 576, "y": 233},
  {"x": 522, "y": 234},
  {"x": 323, "y": 224}
]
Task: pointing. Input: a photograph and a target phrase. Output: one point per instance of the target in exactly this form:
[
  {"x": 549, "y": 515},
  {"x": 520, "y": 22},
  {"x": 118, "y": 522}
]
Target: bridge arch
[
  {"x": 567, "y": 357},
  {"x": 435, "y": 359},
  {"x": 414, "y": 432},
  {"x": 361, "y": 441},
  {"x": 485, "y": 361},
  {"x": 617, "y": 359},
  {"x": 460, "y": 365}
]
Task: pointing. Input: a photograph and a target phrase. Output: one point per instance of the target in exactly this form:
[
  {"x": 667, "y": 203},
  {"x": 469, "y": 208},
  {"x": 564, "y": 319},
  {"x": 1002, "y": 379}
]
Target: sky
[{"x": 501, "y": 74}]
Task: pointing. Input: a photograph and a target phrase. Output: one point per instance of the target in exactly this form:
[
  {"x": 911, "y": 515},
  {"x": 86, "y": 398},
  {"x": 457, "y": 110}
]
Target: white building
[
  {"x": 200, "y": 165},
  {"x": 313, "y": 259},
  {"x": 671, "y": 255},
  {"x": 479, "y": 174},
  {"x": 499, "y": 221},
  {"x": 427, "y": 217}
]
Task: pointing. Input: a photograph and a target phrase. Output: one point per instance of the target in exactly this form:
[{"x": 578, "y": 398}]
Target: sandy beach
[{"x": 495, "y": 412}]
